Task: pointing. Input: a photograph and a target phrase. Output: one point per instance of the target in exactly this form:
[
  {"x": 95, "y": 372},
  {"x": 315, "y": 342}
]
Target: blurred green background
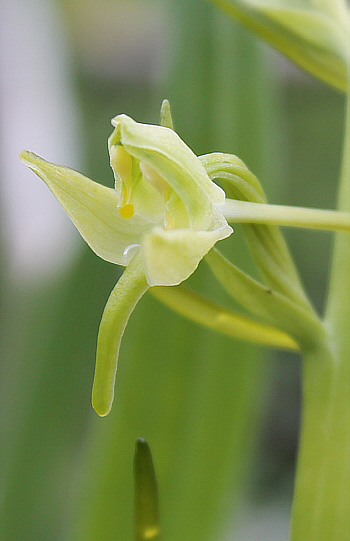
[{"x": 221, "y": 416}]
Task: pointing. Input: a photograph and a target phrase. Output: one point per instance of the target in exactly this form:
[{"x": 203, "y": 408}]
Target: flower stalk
[
  {"x": 284, "y": 215},
  {"x": 322, "y": 490},
  {"x": 321, "y": 499},
  {"x": 164, "y": 215}
]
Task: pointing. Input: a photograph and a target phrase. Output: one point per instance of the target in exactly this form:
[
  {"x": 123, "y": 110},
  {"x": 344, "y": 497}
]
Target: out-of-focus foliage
[{"x": 313, "y": 34}]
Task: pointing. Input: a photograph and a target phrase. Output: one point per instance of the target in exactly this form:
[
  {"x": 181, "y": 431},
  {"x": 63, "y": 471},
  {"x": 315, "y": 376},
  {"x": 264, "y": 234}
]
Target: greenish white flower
[
  {"x": 165, "y": 194},
  {"x": 163, "y": 204},
  {"x": 160, "y": 219}
]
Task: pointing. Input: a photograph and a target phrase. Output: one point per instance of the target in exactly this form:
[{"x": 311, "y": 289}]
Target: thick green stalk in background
[
  {"x": 321, "y": 500},
  {"x": 337, "y": 313},
  {"x": 322, "y": 490}
]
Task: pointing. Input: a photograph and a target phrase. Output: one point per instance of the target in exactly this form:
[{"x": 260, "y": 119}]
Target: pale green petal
[
  {"x": 171, "y": 256},
  {"x": 162, "y": 150},
  {"x": 93, "y": 210},
  {"x": 122, "y": 301}
]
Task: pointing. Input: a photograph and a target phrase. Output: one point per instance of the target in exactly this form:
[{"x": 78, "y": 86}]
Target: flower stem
[
  {"x": 248, "y": 212},
  {"x": 322, "y": 489},
  {"x": 338, "y": 305}
]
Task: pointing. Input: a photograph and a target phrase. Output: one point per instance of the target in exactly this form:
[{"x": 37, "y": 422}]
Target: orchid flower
[
  {"x": 159, "y": 221},
  {"x": 163, "y": 216}
]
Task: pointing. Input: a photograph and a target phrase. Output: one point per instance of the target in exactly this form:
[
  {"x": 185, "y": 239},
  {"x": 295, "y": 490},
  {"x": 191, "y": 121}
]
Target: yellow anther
[{"x": 127, "y": 211}]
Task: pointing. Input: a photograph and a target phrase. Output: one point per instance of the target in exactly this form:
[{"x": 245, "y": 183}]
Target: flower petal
[
  {"x": 92, "y": 208},
  {"x": 171, "y": 256}
]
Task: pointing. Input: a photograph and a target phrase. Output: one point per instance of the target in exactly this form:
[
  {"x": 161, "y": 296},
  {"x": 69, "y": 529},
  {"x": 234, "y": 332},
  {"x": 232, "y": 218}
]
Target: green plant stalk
[
  {"x": 322, "y": 489},
  {"x": 338, "y": 306},
  {"x": 283, "y": 215},
  {"x": 273, "y": 308}
]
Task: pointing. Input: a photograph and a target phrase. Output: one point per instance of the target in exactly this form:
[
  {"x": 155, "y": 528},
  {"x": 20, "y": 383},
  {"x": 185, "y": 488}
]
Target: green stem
[
  {"x": 322, "y": 488},
  {"x": 322, "y": 491},
  {"x": 265, "y": 241},
  {"x": 269, "y": 305},
  {"x": 248, "y": 212}
]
